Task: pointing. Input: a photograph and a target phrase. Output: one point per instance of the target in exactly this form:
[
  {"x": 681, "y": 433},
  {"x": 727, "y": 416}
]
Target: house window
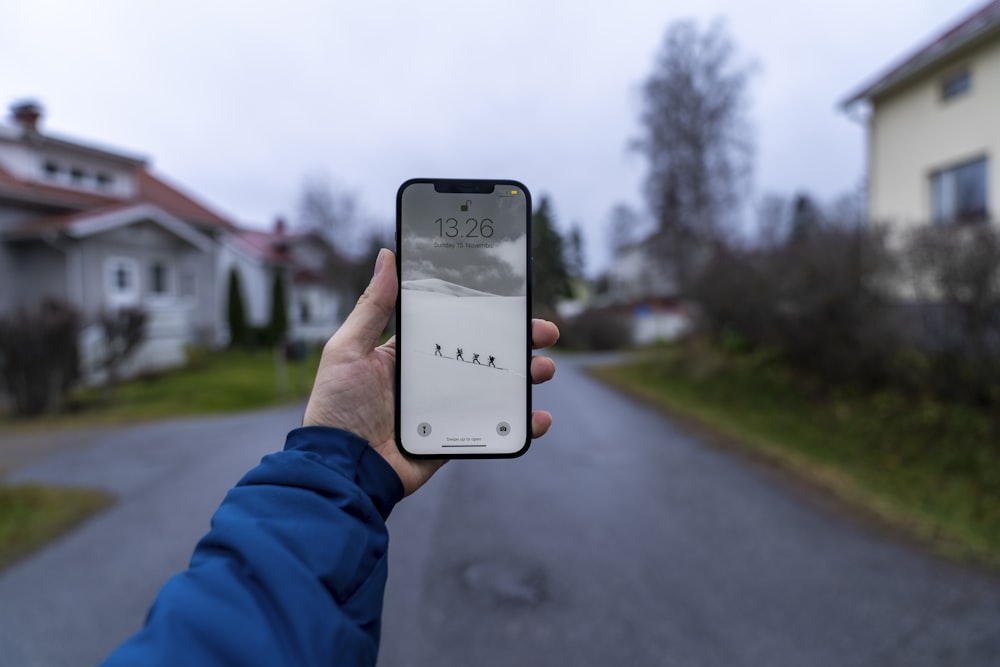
[
  {"x": 51, "y": 169},
  {"x": 305, "y": 314},
  {"x": 77, "y": 175},
  {"x": 958, "y": 194},
  {"x": 121, "y": 281},
  {"x": 104, "y": 180},
  {"x": 955, "y": 84},
  {"x": 159, "y": 279}
]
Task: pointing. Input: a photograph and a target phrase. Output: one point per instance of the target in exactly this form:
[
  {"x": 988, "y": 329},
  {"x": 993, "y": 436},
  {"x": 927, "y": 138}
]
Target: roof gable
[
  {"x": 94, "y": 222},
  {"x": 982, "y": 25}
]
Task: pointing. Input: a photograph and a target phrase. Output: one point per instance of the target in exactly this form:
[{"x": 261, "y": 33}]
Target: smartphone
[{"x": 463, "y": 318}]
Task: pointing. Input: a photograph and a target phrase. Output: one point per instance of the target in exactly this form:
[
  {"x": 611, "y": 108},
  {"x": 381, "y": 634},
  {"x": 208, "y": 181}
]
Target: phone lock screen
[{"x": 463, "y": 318}]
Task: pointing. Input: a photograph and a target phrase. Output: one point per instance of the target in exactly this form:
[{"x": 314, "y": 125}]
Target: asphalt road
[{"x": 618, "y": 539}]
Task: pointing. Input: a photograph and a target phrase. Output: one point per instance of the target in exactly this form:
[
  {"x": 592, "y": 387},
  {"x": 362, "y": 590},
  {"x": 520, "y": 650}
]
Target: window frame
[
  {"x": 949, "y": 184},
  {"x": 118, "y": 295},
  {"x": 955, "y": 84},
  {"x": 166, "y": 280}
]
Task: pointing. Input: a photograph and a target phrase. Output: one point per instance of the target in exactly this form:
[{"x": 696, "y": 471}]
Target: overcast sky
[{"x": 241, "y": 102}]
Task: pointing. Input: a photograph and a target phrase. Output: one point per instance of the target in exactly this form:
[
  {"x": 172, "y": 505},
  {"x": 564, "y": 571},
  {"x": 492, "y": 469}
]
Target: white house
[
  {"x": 98, "y": 229},
  {"x": 305, "y": 258},
  {"x": 645, "y": 286},
  {"x": 934, "y": 127}
]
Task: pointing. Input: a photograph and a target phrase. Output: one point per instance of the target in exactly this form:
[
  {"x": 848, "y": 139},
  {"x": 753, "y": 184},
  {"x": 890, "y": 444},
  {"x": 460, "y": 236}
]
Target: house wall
[
  {"x": 913, "y": 132},
  {"x": 322, "y": 306},
  {"x": 173, "y": 317},
  {"x": 255, "y": 280},
  {"x": 28, "y": 162},
  {"x": 7, "y": 279},
  {"x": 40, "y": 271}
]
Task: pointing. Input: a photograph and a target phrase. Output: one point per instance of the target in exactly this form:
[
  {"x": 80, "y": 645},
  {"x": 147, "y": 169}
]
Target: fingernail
[{"x": 379, "y": 261}]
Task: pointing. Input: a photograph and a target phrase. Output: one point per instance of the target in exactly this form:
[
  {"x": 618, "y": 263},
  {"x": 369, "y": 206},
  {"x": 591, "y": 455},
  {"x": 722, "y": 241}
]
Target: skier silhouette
[
  {"x": 475, "y": 359},
  {"x": 492, "y": 359},
  {"x": 459, "y": 355},
  {"x": 437, "y": 350}
]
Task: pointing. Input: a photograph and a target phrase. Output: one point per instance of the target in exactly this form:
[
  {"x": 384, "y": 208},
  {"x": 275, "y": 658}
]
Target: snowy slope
[
  {"x": 439, "y": 286},
  {"x": 461, "y": 399}
]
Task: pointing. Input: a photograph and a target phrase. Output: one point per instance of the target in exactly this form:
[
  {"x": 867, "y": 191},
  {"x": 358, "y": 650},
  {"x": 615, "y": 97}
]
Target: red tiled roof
[
  {"x": 156, "y": 191},
  {"x": 263, "y": 245},
  {"x": 981, "y": 20}
]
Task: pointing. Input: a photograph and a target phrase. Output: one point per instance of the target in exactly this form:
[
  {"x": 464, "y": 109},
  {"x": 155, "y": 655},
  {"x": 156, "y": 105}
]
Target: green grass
[
  {"x": 928, "y": 467},
  {"x": 224, "y": 381},
  {"x": 32, "y": 515}
]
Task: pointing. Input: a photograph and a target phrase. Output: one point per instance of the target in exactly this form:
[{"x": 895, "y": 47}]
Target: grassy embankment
[
  {"x": 919, "y": 464},
  {"x": 32, "y": 515}
]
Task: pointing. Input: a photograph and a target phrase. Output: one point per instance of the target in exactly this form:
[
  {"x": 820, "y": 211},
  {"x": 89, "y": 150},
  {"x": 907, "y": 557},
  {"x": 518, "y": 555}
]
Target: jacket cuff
[{"x": 352, "y": 457}]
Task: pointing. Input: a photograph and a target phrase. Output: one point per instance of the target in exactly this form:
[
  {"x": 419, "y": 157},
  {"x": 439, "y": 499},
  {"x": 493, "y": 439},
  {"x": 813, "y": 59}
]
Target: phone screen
[{"x": 463, "y": 318}]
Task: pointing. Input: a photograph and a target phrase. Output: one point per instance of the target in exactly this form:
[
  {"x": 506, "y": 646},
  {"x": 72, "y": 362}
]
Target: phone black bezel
[{"x": 477, "y": 186}]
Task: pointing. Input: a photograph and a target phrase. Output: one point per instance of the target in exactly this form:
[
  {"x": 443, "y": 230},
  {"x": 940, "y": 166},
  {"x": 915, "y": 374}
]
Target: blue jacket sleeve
[{"x": 293, "y": 569}]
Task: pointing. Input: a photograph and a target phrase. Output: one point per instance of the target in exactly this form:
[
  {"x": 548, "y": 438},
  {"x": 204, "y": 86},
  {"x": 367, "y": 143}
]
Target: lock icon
[{"x": 467, "y": 204}]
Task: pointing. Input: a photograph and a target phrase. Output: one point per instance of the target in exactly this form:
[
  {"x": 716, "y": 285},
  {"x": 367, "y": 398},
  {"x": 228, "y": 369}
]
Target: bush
[
  {"x": 39, "y": 356},
  {"x": 124, "y": 330},
  {"x": 820, "y": 298},
  {"x": 954, "y": 275},
  {"x": 596, "y": 329}
]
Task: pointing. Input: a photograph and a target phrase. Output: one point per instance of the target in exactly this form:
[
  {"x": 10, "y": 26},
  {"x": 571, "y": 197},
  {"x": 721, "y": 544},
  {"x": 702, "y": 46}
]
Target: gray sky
[{"x": 241, "y": 102}]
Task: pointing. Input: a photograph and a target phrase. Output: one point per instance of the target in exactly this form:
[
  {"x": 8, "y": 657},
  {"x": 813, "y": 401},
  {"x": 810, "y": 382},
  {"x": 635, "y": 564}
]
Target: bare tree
[
  {"x": 325, "y": 207},
  {"x": 774, "y": 219},
  {"x": 625, "y": 227},
  {"x": 696, "y": 137}
]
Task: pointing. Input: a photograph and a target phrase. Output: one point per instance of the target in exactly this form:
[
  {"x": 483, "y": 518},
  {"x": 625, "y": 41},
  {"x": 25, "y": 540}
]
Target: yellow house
[{"x": 934, "y": 128}]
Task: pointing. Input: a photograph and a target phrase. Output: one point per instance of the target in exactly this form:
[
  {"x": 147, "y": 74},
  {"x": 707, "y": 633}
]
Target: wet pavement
[{"x": 617, "y": 539}]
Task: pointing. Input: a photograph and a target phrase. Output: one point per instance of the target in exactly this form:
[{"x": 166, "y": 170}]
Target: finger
[
  {"x": 367, "y": 321},
  {"x": 542, "y": 369},
  {"x": 543, "y": 334},
  {"x": 540, "y": 423}
]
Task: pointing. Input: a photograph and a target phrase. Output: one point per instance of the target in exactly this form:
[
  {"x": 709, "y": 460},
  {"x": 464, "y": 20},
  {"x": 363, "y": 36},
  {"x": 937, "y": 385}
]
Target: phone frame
[{"x": 471, "y": 186}]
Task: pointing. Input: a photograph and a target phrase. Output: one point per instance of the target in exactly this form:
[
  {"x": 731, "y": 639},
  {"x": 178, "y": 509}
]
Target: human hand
[{"x": 355, "y": 381}]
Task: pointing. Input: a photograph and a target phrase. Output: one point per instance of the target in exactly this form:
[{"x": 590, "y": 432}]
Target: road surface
[{"x": 618, "y": 539}]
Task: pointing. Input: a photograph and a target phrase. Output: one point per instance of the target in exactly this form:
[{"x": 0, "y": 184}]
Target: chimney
[
  {"x": 27, "y": 114},
  {"x": 279, "y": 226}
]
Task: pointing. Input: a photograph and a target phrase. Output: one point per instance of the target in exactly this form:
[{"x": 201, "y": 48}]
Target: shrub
[
  {"x": 596, "y": 329},
  {"x": 820, "y": 298},
  {"x": 954, "y": 275},
  {"x": 124, "y": 330},
  {"x": 39, "y": 356}
]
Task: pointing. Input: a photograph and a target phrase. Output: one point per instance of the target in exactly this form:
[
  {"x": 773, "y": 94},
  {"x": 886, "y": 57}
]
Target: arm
[{"x": 293, "y": 569}]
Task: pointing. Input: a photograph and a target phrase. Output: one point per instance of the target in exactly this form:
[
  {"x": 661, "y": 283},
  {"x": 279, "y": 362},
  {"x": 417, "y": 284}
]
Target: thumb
[{"x": 367, "y": 321}]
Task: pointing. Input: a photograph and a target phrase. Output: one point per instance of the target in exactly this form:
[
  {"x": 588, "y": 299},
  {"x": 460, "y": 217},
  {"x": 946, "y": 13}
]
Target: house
[
  {"x": 934, "y": 128},
  {"x": 306, "y": 259},
  {"x": 97, "y": 228},
  {"x": 645, "y": 287}
]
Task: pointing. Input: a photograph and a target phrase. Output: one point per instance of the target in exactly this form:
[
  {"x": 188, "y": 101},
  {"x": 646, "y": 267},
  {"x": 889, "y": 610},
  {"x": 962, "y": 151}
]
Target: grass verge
[
  {"x": 224, "y": 381},
  {"x": 927, "y": 467},
  {"x": 32, "y": 515}
]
